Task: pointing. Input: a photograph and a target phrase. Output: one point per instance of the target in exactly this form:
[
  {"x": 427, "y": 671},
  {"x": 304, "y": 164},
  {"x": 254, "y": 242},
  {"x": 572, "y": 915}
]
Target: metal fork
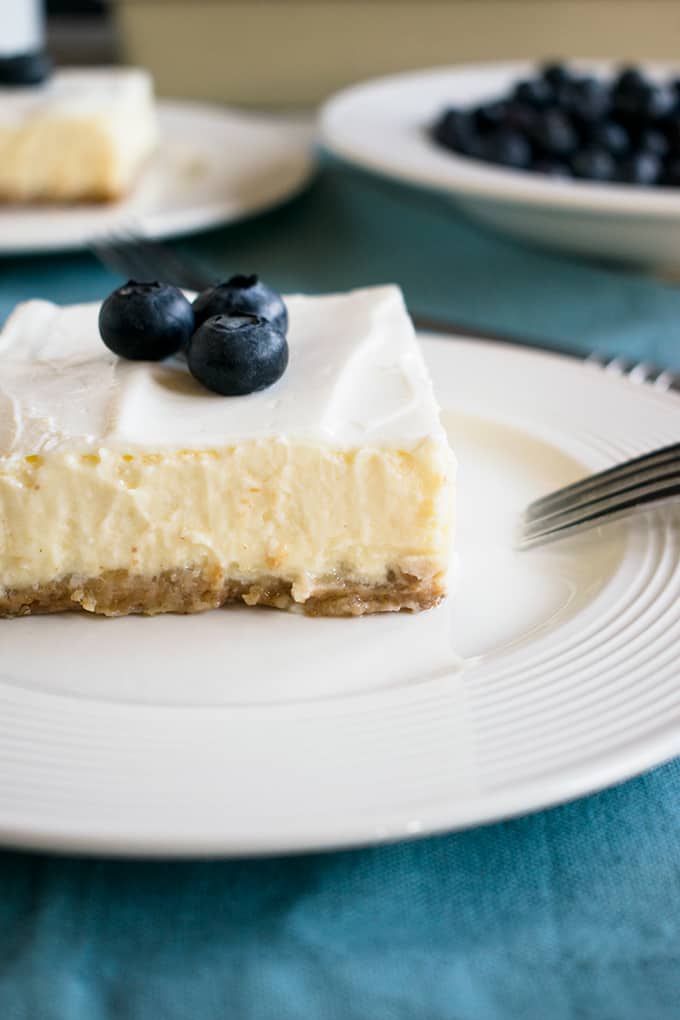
[{"x": 617, "y": 492}]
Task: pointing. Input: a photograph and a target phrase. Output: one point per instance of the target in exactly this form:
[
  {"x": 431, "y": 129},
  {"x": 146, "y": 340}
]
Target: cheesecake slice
[
  {"x": 126, "y": 487},
  {"x": 82, "y": 135}
]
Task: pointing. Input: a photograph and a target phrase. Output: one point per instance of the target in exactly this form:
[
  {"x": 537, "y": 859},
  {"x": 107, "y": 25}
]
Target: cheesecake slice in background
[{"x": 82, "y": 135}]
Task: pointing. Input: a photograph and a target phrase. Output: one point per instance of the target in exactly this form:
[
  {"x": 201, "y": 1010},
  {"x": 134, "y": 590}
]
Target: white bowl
[{"x": 383, "y": 125}]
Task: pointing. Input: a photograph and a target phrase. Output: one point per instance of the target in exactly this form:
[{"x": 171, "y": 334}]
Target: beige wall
[{"x": 283, "y": 53}]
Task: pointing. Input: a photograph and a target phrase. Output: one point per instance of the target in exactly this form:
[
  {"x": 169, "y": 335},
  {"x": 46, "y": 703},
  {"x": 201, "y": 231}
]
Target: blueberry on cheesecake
[
  {"x": 146, "y": 321},
  {"x": 242, "y": 295}
]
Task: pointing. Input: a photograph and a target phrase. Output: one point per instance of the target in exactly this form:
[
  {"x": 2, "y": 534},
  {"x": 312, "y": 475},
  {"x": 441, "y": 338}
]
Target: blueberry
[
  {"x": 509, "y": 148},
  {"x": 490, "y": 116},
  {"x": 647, "y": 102},
  {"x": 24, "y": 69},
  {"x": 536, "y": 92},
  {"x": 237, "y": 354},
  {"x": 593, "y": 164},
  {"x": 242, "y": 295},
  {"x": 658, "y": 102},
  {"x": 589, "y": 100},
  {"x": 629, "y": 80},
  {"x": 671, "y": 174},
  {"x": 671, "y": 130},
  {"x": 673, "y": 115},
  {"x": 455, "y": 130},
  {"x": 551, "y": 167},
  {"x": 474, "y": 146},
  {"x": 556, "y": 74},
  {"x": 555, "y": 134},
  {"x": 653, "y": 141},
  {"x": 630, "y": 94},
  {"x": 639, "y": 168},
  {"x": 609, "y": 135},
  {"x": 520, "y": 117},
  {"x": 146, "y": 321}
]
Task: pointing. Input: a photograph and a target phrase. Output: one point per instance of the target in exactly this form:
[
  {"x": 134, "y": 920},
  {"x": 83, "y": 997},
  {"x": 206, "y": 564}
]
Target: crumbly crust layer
[
  {"x": 99, "y": 194},
  {"x": 120, "y": 593}
]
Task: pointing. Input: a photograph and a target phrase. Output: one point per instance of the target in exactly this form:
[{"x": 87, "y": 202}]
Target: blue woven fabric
[{"x": 571, "y": 914}]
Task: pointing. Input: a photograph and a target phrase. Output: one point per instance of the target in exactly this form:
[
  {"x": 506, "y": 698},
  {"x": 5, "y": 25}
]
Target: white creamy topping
[
  {"x": 356, "y": 377},
  {"x": 76, "y": 92}
]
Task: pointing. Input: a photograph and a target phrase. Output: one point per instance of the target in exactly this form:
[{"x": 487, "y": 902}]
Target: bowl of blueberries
[{"x": 582, "y": 156}]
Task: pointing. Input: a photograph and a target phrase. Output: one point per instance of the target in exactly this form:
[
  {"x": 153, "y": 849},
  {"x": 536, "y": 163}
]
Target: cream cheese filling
[{"x": 299, "y": 511}]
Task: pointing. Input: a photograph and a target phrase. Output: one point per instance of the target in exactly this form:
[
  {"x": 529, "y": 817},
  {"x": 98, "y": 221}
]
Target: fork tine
[
  {"x": 110, "y": 255},
  {"x": 133, "y": 255},
  {"x": 668, "y": 380},
  {"x": 637, "y": 372},
  {"x": 121, "y": 257},
  {"x": 145, "y": 263},
  {"x": 589, "y": 486},
  {"x": 621, "y": 486},
  {"x": 613, "y": 506},
  {"x": 182, "y": 270},
  {"x": 645, "y": 372}
]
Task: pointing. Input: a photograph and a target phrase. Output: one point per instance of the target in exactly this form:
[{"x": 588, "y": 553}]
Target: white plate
[
  {"x": 383, "y": 126},
  {"x": 547, "y": 675},
  {"x": 213, "y": 166}
]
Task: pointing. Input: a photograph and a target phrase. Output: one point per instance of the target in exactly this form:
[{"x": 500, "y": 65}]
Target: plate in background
[
  {"x": 214, "y": 166},
  {"x": 546, "y": 674},
  {"x": 383, "y": 125}
]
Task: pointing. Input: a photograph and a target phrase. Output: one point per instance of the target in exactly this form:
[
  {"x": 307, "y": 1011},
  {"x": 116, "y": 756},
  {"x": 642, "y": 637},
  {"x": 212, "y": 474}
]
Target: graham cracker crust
[
  {"x": 119, "y": 593},
  {"x": 91, "y": 196}
]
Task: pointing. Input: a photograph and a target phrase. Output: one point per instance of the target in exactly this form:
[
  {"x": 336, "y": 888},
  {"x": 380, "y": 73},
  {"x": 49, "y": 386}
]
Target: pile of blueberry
[
  {"x": 565, "y": 124},
  {"x": 233, "y": 335}
]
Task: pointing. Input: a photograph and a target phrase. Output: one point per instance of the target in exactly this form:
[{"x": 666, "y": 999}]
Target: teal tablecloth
[{"x": 570, "y": 914}]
